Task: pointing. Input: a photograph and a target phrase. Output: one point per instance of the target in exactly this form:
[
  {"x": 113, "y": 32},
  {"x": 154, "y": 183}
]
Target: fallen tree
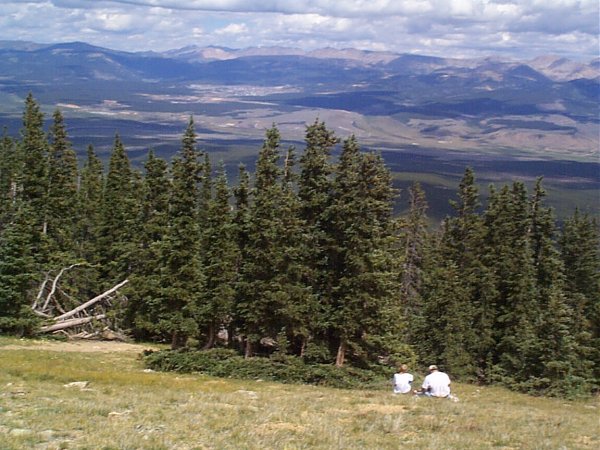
[{"x": 87, "y": 320}]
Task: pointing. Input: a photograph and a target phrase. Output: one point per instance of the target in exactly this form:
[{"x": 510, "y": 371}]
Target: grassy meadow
[{"x": 122, "y": 406}]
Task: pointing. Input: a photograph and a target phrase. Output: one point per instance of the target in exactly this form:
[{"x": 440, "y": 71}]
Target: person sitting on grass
[
  {"x": 436, "y": 384},
  {"x": 402, "y": 380}
]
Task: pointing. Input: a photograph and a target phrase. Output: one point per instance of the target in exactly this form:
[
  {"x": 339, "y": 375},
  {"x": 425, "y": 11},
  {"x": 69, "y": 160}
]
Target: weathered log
[
  {"x": 70, "y": 323},
  {"x": 90, "y": 302}
]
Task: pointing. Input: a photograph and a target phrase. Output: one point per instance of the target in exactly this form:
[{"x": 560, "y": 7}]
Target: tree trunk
[
  {"x": 178, "y": 340},
  {"x": 303, "y": 346},
  {"x": 249, "y": 350},
  {"x": 71, "y": 323},
  {"x": 212, "y": 337},
  {"x": 341, "y": 354}
]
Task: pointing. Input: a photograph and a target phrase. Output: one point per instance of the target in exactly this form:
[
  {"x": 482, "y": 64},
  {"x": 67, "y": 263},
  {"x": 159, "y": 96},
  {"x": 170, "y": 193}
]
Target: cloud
[
  {"x": 520, "y": 28},
  {"x": 233, "y": 28}
]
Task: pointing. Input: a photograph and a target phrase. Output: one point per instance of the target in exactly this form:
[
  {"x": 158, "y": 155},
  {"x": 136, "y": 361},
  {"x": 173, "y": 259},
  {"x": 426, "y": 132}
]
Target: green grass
[{"x": 125, "y": 407}]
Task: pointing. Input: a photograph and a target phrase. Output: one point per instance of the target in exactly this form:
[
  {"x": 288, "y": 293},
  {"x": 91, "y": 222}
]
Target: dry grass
[{"x": 125, "y": 407}]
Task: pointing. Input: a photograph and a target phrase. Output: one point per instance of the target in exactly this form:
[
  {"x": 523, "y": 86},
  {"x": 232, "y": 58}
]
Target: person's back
[
  {"x": 436, "y": 384},
  {"x": 402, "y": 380}
]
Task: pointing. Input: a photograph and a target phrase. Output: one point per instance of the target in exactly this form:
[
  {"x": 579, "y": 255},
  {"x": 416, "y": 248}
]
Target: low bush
[{"x": 289, "y": 369}]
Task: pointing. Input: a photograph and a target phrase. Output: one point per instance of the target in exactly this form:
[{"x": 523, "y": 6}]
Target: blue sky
[{"x": 519, "y": 29}]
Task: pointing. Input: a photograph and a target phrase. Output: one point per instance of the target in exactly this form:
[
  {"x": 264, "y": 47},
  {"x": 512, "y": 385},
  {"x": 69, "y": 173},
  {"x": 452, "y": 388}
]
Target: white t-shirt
[
  {"x": 437, "y": 384},
  {"x": 402, "y": 383}
]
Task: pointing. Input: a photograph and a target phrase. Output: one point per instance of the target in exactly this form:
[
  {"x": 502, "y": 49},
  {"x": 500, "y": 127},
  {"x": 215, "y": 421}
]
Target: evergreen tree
[
  {"x": 118, "y": 216},
  {"x": 32, "y": 187},
  {"x": 9, "y": 174},
  {"x": 360, "y": 229},
  {"x": 413, "y": 245},
  {"x": 34, "y": 179},
  {"x": 205, "y": 193},
  {"x": 302, "y": 314},
  {"x": 447, "y": 322},
  {"x": 242, "y": 210},
  {"x": 145, "y": 296},
  {"x": 89, "y": 207},
  {"x": 17, "y": 271},
  {"x": 181, "y": 273},
  {"x": 314, "y": 192},
  {"x": 470, "y": 314},
  {"x": 219, "y": 255},
  {"x": 262, "y": 297},
  {"x": 241, "y": 229},
  {"x": 508, "y": 254},
  {"x": 62, "y": 190},
  {"x": 579, "y": 245},
  {"x": 314, "y": 184}
]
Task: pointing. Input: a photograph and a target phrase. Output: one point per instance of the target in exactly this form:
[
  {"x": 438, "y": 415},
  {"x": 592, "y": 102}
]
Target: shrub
[{"x": 291, "y": 369}]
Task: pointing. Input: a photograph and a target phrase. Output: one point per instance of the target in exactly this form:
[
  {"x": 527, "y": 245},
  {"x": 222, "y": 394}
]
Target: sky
[{"x": 516, "y": 29}]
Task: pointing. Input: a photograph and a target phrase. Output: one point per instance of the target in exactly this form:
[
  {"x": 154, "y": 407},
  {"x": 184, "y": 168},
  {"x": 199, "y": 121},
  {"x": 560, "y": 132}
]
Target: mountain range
[{"x": 440, "y": 111}]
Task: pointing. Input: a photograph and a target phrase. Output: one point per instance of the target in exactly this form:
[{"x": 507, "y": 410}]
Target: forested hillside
[{"x": 302, "y": 257}]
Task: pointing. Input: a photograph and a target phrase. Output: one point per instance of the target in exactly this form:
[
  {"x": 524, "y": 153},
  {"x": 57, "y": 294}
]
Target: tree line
[{"x": 303, "y": 257}]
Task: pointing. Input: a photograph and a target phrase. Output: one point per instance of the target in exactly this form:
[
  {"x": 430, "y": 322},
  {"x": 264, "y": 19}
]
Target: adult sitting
[
  {"x": 402, "y": 380},
  {"x": 436, "y": 384}
]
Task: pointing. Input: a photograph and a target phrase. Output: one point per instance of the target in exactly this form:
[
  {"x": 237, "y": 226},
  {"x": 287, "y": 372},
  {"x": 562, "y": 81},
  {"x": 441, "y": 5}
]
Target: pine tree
[
  {"x": 470, "y": 313},
  {"x": 241, "y": 229},
  {"x": 242, "y": 209},
  {"x": 509, "y": 256},
  {"x": 182, "y": 278},
  {"x": 314, "y": 192},
  {"x": 262, "y": 298},
  {"x": 62, "y": 190},
  {"x": 302, "y": 314},
  {"x": 32, "y": 187},
  {"x": 205, "y": 193},
  {"x": 579, "y": 245},
  {"x": 413, "y": 245},
  {"x": 359, "y": 220},
  {"x": 34, "y": 151},
  {"x": 9, "y": 174},
  {"x": 89, "y": 207},
  {"x": 118, "y": 216},
  {"x": 314, "y": 184},
  {"x": 145, "y": 296},
  {"x": 17, "y": 272},
  {"x": 447, "y": 322},
  {"x": 219, "y": 255},
  {"x": 412, "y": 264},
  {"x": 557, "y": 353}
]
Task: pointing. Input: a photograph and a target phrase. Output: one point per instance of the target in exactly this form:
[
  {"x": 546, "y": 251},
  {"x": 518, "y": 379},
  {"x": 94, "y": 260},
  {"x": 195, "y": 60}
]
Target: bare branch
[
  {"x": 91, "y": 302},
  {"x": 55, "y": 282},
  {"x": 41, "y": 291}
]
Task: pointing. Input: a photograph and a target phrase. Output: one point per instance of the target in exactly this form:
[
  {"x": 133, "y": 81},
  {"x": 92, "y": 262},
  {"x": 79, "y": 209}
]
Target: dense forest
[{"x": 304, "y": 257}]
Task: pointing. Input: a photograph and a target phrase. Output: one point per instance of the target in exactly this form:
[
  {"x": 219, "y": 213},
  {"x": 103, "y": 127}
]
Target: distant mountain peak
[{"x": 559, "y": 68}]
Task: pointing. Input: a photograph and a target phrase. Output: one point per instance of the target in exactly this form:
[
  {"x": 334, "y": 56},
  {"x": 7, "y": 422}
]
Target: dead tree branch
[
  {"x": 83, "y": 315},
  {"x": 55, "y": 283},
  {"x": 91, "y": 302}
]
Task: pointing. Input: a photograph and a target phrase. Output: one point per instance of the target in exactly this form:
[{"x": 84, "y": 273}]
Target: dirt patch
[{"x": 82, "y": 346}]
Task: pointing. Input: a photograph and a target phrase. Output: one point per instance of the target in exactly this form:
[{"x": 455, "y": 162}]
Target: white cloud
[
  {"x": 448, "y": 27},
  {"x": 233, "y": 28},
  {"x": 111, "y": 21}
]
